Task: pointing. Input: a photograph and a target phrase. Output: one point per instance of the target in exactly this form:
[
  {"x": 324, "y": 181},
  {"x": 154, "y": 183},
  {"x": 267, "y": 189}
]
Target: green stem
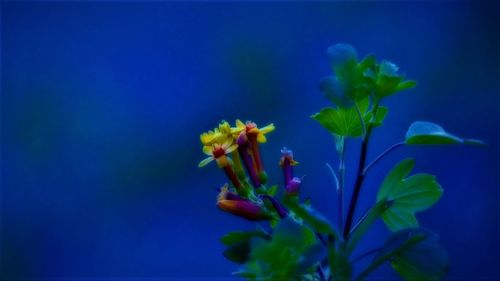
[
  {"x": 365, "y": 254},
  {"x": 341, "y": 186},
  {"x": 365, "y": 223},
  {"x": 387, "y": 151},
  {"x": 360, "y": 174},
  {"x": 361, "y": 120}
]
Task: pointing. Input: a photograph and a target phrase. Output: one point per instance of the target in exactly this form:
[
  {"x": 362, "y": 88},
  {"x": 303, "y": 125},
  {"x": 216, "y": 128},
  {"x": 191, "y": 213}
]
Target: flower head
[
  {"x": 251, "y": 129},
  {"x": 219, "y": 135},
  {"x": 218, "y": 153}
]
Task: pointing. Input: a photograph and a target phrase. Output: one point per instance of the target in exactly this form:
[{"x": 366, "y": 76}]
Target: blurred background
[{"x": 103, "y": 104}]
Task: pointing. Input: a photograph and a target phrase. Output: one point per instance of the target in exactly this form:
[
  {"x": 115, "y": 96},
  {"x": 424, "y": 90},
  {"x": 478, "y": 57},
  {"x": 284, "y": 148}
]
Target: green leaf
[
  {"x": 388, "y": 81},
  {"x": 368, "y": 62},
  {"x": 379, "y": 119},
  {"x": 271, "y": 191},
  {"x": 405, "y": 85},
  {"x": 422, "y": 132},
  {"x": 291, "y": 252},
  {"x": 414, "y": 253},
  {"x": 344, "y": 59},
  {"x": 238, "y": 243},
  {"x": 340, "y": 267},
  {"x": 238, "y": 252},
  {"x": 407, "y": 195},
  {"x": 242, "y": 236},
  {"x": 365, "y": 223},
  {"x": 343, "y": 122},
  {"x": 335, "y": 91},
  {"x": 318, "y": 222}
]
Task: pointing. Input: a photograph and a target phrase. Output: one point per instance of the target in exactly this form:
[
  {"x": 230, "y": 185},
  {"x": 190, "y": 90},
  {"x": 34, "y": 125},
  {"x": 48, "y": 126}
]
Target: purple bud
[{"x": 293, "y": 186}]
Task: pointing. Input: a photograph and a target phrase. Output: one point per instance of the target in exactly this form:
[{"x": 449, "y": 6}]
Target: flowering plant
[{"x": 300, "y": 243}]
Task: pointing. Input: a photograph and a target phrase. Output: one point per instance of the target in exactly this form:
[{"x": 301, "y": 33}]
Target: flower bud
[{"x": 293, "y": 186}]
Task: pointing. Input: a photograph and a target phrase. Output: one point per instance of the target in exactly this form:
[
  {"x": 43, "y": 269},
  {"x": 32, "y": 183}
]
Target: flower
[
  {"x": 232, "y": 203},
  {"x": 251, "y": 129},
  {"x": 219, "y": 135},
  {"x": 247, "y": 136},
  {"x": 218, "y": 153},
  {"x": 286, "y": 162}
]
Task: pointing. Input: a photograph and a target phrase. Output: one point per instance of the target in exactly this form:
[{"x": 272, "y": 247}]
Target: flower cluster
[{"x": 236, "y": 151}]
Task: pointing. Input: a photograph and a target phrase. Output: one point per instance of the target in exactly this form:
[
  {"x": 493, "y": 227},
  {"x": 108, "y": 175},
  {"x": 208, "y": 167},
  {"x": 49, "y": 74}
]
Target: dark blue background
[{"x": 103, "y": 104}]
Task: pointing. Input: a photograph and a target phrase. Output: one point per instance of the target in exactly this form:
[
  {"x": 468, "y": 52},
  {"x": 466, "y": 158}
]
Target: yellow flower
[
  {"x": 218, "y": 152},
  {"x": 250, "y": 128},
  {"x": 219, "y": 135}
]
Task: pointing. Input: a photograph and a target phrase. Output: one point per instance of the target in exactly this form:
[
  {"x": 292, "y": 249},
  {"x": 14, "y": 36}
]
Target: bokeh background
[{"x": 103, "y": 104}]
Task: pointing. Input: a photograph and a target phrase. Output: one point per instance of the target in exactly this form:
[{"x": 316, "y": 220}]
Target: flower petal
[
  {"x": 267, "y": 129},
  {"x": 261, "y": 138},
  {"x": 205, "y": 161},
  {"x": 207, "y": 150},
  {"x": 231, "y": 148}
]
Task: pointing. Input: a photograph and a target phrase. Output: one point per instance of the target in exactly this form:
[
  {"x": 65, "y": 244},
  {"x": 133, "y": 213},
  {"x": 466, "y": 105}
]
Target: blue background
[{"x": 103, "y": 104}]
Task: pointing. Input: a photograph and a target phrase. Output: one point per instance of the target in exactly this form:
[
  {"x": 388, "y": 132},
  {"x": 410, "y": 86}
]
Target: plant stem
[
  {"x": 366, "y": 254},
  {"x": 361, "y": 120},
  {"x": 360, "y": 174},
  {"x": 387, "y": 151},
  {"x": 321, "y": 273},
  {"x": 341, "y": 186}
]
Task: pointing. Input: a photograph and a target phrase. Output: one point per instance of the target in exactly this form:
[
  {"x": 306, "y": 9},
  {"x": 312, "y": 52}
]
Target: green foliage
[
  {"x": 379, "y": 118},
  {"x": 340, "y": 267},
  {"x": 365, "y": 223},
  {"x": 318, "y": 222},
  {"x": 343, "y": 122},
  {"x": 291, "y": 252},
  {"x": 421, "y": 132},
  {"x": 238, "y": 244},
  {"x": 415, "y": 254},
  {"x": 296, "y": 249},
  {"x": 354, "y": 81},
  {"x": 349, "y": 83},
  {"x": 408, "y": 195},
  {"x": 388, "y": 81}
]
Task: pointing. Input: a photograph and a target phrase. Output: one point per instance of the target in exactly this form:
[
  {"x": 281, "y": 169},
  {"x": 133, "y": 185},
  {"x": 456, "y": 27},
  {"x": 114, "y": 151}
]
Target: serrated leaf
[
  {"x": 422, "y": 132},
  {"x": 408, "y": 195},
  {"x": 343, "y": 122}
]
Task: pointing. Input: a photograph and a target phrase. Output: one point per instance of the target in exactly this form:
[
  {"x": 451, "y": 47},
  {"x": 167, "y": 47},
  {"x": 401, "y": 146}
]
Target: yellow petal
[
  {"x": 240, "y": 124},
  {"x": 207, "y": 150},
  {"x": 267, "y": 129},
  {"x": 261, "y": 138},
  {"x": 231, "y": 148},
  {"x": 205, "y": 161}
]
